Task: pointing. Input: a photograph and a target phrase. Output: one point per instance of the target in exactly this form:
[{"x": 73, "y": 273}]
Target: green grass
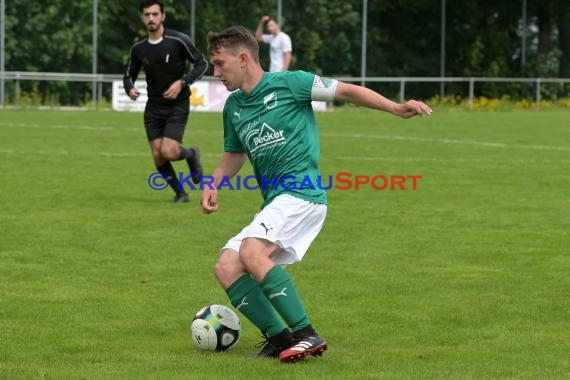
[{"x": 465, "y": 278}]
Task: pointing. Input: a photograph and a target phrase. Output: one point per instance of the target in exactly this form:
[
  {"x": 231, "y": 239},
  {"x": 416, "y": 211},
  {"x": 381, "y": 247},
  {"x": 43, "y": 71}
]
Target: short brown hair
[
  {"x": 233, "y": 38},
  {"x": 271, "y": 18},
  {"x": 149, "y": 3}
]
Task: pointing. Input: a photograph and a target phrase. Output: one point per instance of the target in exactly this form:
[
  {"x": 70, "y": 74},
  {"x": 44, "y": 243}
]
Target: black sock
[
  {"x": 283, "y": 339},
  {"x": 168, "y": 170},
  {"x": 305, "y": 332},
  {"x": 185, "y": 153}
]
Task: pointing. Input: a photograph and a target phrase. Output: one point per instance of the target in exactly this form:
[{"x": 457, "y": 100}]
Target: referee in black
[{"x": 165, "y": 55}]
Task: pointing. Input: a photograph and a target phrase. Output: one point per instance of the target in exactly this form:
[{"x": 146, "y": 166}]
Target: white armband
[{"x": 324, "y": 89}]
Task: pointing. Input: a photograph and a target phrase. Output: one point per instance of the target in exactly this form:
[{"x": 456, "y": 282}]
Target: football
[{"x": 215, "y": 328}]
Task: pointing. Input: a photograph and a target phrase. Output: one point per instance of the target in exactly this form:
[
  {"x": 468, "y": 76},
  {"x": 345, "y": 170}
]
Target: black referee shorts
[{"x": 166, "y": 120}]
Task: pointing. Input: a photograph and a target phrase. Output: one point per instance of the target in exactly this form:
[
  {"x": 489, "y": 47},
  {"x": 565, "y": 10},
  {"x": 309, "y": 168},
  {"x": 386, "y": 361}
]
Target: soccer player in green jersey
[{"x": 269, "y": 120}]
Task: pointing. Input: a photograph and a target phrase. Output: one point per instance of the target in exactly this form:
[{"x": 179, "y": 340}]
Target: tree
[
  {"x": 483, "y": 39},
  {"x": 563, "y": 24},
  {"x": 49, "y": 37}
]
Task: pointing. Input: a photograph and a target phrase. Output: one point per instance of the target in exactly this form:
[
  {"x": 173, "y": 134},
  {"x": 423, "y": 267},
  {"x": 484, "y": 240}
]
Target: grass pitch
[{"x": 466, "y": 277}]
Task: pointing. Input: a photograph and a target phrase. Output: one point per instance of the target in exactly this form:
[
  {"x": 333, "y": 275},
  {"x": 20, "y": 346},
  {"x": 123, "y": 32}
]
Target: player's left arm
[
  {"x": 366, "y": 97},
  {"x": 287, "y": 51},
  {"x": 196, "y": 58},
  {"x": 198, "y": 68},
  {"x": 287, "y": 56}
]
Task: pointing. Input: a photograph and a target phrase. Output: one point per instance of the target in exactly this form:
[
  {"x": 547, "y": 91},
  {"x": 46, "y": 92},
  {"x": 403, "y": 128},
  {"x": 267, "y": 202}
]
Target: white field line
[
  {"x": 67, "y": 126},
  {"x": 88, "y": 154},
  {"x": 447, "y": 141},
  {"x": 343, "y": 158},
  {"x": 323, "y": 134},
  {"x": 513, "y": 161}
]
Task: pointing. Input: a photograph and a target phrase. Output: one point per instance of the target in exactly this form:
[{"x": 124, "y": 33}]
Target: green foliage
[
  {"x": 482, "y": 38},
  {"x": 547, "y": 65},
  {"x": 504, "y": 103}
]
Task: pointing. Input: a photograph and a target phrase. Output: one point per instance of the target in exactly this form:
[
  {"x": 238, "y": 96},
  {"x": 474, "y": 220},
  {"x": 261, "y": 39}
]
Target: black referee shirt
[{"x": 164, "y": 63}]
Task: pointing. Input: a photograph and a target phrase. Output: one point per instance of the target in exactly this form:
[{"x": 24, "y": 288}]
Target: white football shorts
[{"x": 288, "y": 222}]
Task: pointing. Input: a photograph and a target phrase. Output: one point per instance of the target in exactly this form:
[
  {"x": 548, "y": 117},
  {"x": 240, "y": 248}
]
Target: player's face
[
  {"x": 272, "y": 27},
  {"x": 227, "y": 68},
  {"x": 152, "y": 18}
]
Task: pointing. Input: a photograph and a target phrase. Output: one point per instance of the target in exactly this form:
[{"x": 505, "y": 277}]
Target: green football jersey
[{"x": 276, "y": 127}]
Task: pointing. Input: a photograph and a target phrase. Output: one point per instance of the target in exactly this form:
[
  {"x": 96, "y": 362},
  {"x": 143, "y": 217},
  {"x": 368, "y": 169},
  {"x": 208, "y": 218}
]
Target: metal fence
[
  {"x": 472, "y": 81},
  {"x": 98, "y": 80}
]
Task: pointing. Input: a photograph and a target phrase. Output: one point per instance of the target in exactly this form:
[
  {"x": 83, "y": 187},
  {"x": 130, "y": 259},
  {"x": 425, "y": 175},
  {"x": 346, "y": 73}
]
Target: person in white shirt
[{"x": 280, "y": 52}]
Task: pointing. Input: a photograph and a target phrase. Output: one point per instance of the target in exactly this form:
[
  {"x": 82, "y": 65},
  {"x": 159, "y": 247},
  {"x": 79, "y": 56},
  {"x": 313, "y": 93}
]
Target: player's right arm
[
  {"x": 259, "y": 31},
  {"x": 229, "y": 166},
  {"x": 130, "y": 76}
]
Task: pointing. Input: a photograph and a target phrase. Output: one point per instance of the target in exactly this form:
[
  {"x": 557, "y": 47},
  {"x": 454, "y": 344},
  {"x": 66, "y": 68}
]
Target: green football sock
[
  {"x": 280, "y": 289},
  {"x": 247, "y": 297}
]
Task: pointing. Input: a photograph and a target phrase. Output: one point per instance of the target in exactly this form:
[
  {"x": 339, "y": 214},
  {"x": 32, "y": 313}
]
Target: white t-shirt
[{"x": 279, "y": 45}]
